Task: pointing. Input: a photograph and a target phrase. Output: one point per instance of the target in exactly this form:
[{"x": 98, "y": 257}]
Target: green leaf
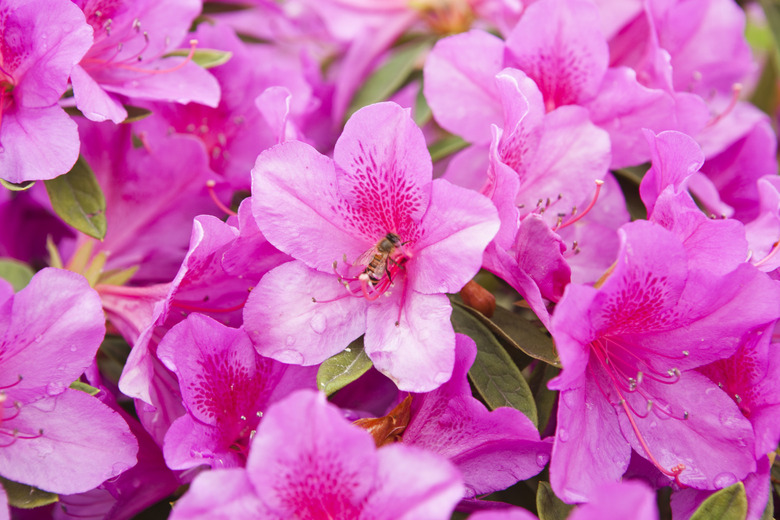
[
  {"x": 26, "y": 497},
  {"x": 206, "y": 58},
  {"x": 516, "y": 333},
  {"x": 84, "y": 387},
  {"x": 549, "y": 506},
  {"x": 446, "y": 146},
  {"x": 77, "y": 198},
  {"x": 727, "y": 504},
  {"x": 17, "y": 273},
  {"x": 388, "y": 78},
  {"x": 493, "y": 374},
  {"x": 20, "y": 186},
  {"x": 135, "y": 113},
  {"x": 772, "y": 12},
  {"x": 340, "y": 370}
]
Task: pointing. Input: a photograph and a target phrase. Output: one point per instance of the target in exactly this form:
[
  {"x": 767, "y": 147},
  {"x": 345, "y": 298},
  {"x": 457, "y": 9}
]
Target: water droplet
[
  {"x": 725, "y": 479},
  {"x": 563, "y": 435},
  {"x": 290, "y": 341},
  {"x": 542, "y": 459},
  {"x": 318, "y": 323},
  {"x": 291, "y": 357},
  {"x": 55, "y": 388}
]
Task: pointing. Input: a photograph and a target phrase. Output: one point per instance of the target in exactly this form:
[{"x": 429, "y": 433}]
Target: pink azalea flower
[
  {"x": 307, "y": 461},
  {"x": 377, "y": 245},
  {"x": 629, "y": 349},
  {"x": 41, "y": 42},
  {"x": 131, "y": 38},
  {"x": 226, "y": 387},
  {"x": 49, "y": 334}
]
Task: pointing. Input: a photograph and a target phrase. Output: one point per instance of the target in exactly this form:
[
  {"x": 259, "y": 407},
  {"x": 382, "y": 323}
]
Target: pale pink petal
[
  {"x": 459, "y": 84},
  {"x": 285, "y": 324},
  {"x": 417, "y": 353}
]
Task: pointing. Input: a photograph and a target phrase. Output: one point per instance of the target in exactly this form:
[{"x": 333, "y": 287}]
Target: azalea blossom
[
  {"x": 41, "y": 43},
  {"x": 307, "y": 461},
  {"x": 376, "y": 244}
]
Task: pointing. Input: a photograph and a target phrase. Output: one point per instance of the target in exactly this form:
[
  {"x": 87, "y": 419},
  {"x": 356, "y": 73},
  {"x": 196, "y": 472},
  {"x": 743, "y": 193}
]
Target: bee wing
[{"x": 365, "y": 259}]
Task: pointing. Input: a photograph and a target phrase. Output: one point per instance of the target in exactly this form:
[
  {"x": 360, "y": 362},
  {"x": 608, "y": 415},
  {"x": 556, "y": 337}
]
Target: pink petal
[
  {"x": 458, "y": 226},
  {"x": 418, "y": 353},
  {"x": 459, "y": 84},
  {"x": 385, "y": 172},
  {"x": 83, "y": 443},
  {"x": 285, "y": 324}
]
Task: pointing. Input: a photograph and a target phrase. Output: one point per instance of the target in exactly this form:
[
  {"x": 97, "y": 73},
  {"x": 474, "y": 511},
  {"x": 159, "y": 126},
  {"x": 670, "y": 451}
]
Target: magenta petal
[
  {"x": 37, "y": 144},
  {"x": 417, "y": 354},
  {"x": 224, "y": 494},
  {"x": 460, "y": 87},
  {"x": 618, "y": 501},
  {"x": 714, "y": 442},
  {"x": 589, "y": 449},
  {"x": 459, "y": 225},
  {"x": 95, "y": 103},
  {"x": 305, "y": 456},
  {"x": 430, "y": 486},
  {"x": 285, "y": 324},
  {"x": 56, "y": 327},
  {"x": 83, "y": 443},
  {"x": 294, "y": 179},
  {"x": 385, "y": 170},
  {"x": 557, "y": 43}
]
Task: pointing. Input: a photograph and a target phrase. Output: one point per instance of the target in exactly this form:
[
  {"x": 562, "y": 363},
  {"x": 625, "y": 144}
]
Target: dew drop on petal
[
  {"x": 725, "y": 479},
  {"x": 318, "y": 323},
  {"x": 55, "y": 388},
  {"x": 542, "y": 459},
  {"x": 291, "y": 357},
  {"x": 563, "y": 435}
]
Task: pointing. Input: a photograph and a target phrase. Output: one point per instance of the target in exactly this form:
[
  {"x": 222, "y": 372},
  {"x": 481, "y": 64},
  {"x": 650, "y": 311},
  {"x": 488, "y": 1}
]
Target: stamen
[
  {"x": 599, "y": 184},
  {"x": 210, "y": 184},
  {"x": 736, "y": 90}
]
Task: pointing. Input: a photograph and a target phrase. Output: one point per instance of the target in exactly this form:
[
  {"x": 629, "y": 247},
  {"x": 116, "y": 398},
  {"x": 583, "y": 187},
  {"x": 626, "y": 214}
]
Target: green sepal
[
  {"x": 77, "y": 198},
  {"x": 493, "y": 374},
  {"x": 17, "y": 186},
  {"x": 345, "y": 367},
  {"x": 727, "y": 504},
  {"x": 17, "y": 273},
  {"x": 549, "y": 506},
  {"x": 26, "y": 497},
  {"x": 84, "y": 387},
  {"x": 206, "y": 58}
]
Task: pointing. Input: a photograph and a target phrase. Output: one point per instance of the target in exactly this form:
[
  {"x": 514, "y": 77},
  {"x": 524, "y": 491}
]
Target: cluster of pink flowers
[{"x": 250, "y": 255}]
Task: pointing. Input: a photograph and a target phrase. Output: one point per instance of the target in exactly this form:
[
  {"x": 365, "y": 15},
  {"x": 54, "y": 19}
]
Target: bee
[{"x": 378, "y": 258}]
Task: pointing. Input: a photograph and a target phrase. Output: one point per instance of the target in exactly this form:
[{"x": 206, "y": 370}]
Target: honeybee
[{"x": 378, "y": 257}]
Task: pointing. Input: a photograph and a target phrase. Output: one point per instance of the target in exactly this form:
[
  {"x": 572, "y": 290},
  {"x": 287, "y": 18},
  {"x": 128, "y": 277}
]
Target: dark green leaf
[
  {"x": 17, "y": 273},
  {"x": 26, "y": 497},
  {"x": 446, "y": 146},
  {"x": 206, "y": 58},
  {"x": 493, "y": 374},
  {"x": 84, "y": 387},
  {"x": 543, "y": 396},
  {"x": 17, "y": 186},
  {"x": 549, "y": 506},
  {"x": 340, "y": 370},
  {"x": 519, "y": 334},
  {"x": 136, "y": 113},
  {"x": 388, "y": 78},
  {"x": 727, "y": 504},
  {"x": 77, "y": 198}
]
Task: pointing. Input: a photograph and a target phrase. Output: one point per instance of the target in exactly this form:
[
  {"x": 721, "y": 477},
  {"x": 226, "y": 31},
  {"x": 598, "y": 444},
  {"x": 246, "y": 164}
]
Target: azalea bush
[{"x": 362, "y": 259}]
